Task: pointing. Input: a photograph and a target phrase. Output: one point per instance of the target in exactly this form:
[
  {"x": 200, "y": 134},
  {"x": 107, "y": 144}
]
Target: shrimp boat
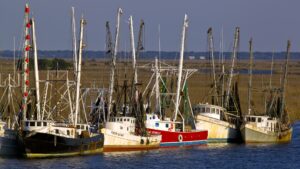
[
  {"x": 125, "y": 132},
  {"x": 120, "y": 135},
  {"x": 8, "y": 141},
  {"x": 174, "y": 132},
  {"x": 8, "y": 114},
  {"x": 222, "y": 123},
  {"x": 274, "y": 126},
  {"x": 41, "y": 138}
]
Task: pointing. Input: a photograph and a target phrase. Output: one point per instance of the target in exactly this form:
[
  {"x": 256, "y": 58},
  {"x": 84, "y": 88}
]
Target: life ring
[{"x": 180, "y": 138}]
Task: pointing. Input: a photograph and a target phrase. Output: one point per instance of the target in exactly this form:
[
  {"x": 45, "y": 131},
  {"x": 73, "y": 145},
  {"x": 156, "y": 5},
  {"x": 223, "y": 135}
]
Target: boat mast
[
  {"x": 140, "y": 46},
  {"x": 272, "y": 65},
  {"x": 25, "y": 70},
  {"x": 284, "y": 79},
  {"x": 157, "y": 93},
  {"x": 113, "y": 66},
  {"x": 74, "y": 42},
  {"x": 235, "y": 46},
  {"x": 184, "y": 27},
  {"x": 250, "y": 77},
  {"x": 211, "y": 51},
  {"x": 223, "y": 67},
  {"x": 133, "y": 49},
  {"x": 82, "y": 23},
  {"x": 36, "y": 72}
]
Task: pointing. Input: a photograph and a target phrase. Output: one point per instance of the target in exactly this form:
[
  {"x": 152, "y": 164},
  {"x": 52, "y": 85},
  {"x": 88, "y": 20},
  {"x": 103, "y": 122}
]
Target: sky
[{"x": 269, "y": 22}]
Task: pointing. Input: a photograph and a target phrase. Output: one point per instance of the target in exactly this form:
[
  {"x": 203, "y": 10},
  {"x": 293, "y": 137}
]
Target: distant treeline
[
  {"x": 67, "y": 54},
  {"x": 48, "y": 64}
]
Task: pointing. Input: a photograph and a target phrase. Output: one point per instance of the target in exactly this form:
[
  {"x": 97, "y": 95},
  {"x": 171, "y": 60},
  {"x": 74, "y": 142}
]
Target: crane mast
[
  {"x": 81, "y": 46},
  {"x": 113, "y": 64},
  {"x": 25, "y": 67},
  {"x": 234, "y": 55},
  {"x": 140, "y": 46},
  {"x": 284, "y": 78},
  {"x": 74, "y": 42},
  {"x": 184, "y": 28},
  {"x": 211, "y": 51},
  {"x": 250, "y": 77},
  {"x": 36, "y": 72},
  {"x": 133, "y": 49}
]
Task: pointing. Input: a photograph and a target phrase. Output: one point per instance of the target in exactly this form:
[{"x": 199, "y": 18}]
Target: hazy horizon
[{"x": 270, "y": 22}]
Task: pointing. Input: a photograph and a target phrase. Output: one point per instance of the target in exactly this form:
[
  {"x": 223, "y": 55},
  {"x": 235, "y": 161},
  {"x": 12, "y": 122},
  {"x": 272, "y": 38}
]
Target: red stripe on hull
[{"x": 169, "y": 136}]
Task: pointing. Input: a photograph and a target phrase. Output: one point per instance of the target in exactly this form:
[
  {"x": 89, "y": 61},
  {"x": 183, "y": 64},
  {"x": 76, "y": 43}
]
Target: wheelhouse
[
  {"x": 265, "y": 122},
  {"x": 209, "y": 110}
]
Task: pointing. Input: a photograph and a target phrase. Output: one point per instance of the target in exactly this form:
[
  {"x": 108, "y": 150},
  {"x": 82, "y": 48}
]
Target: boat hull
[
  {"x": 115, "y": 141},
  {"x": 41, "y": 145},
  {"x": 174, "y": 138},
  {"x": 218, "y": 130},
  {"x": 252, "y": 134}
]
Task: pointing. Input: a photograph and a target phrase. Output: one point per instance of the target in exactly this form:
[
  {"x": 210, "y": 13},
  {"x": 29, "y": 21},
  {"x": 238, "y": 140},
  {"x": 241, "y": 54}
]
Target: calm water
[{"x": 206, "y": 156}]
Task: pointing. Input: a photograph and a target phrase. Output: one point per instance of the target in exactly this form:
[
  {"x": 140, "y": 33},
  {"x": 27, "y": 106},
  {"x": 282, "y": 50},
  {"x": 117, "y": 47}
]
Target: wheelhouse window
[
  {"x": 213, "y": 110},
  {"x": 207, "y": 110},
  {"x": 56, "y": 131},
  {"x": 32, "y": 123},
  {"x": 156, "y": 124},
  {"x": 259, "y": 120},
  {"x": 39, "y": 123},
  {"x": 27, "y": 123},
  {"x": 167, "y": 125},
  {"x": 44, "y": 123},
  {"x": 68, "y": 132}
]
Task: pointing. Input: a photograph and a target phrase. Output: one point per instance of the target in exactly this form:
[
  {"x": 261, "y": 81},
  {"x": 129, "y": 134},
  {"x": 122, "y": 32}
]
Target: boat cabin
[
  {"x": 265, "y": 122},
  {"x": 82, "y": 127},
  {"x": 31, "y": 125},
  {"x": 121, "y": 124},
  {"x": 154, "y": 122},
  {"x": 49, "y": 127},
  {"x": 209, "y": 110}
]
